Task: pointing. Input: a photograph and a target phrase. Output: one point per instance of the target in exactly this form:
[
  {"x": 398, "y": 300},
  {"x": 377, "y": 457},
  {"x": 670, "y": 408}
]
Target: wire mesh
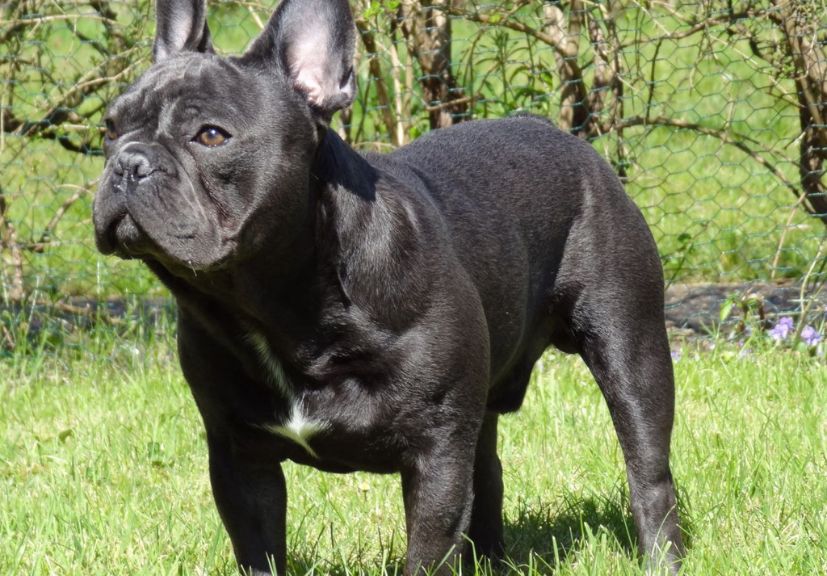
[{"x": 712, "y": 112}]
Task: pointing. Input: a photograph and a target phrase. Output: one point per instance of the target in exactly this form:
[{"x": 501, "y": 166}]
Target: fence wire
[{"x": 712, "y": 112}]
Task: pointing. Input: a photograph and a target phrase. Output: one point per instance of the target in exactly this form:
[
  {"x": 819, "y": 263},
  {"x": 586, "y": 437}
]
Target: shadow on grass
[
  {"x": 538, "y": 535},
  {"x": 304, "y": 565},
  {"x": 538, "y": 532}
]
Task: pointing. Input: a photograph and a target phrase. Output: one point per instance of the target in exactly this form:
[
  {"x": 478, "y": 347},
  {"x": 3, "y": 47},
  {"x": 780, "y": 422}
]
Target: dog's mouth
[
  {"x": 123, "y": 237},
  {"x": 159, "y": 219}
]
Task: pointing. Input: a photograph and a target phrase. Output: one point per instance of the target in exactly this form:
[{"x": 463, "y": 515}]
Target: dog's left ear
[
  {"x": 181, "y": 25},
  {"x": 312, "y": 42}
]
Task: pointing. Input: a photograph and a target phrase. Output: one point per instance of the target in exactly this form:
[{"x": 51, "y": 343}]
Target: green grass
[{"x": 103, "y": 470}]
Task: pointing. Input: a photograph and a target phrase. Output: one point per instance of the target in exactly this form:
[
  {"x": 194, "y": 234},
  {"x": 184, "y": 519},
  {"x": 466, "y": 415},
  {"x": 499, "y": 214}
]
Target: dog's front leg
[
  {"x": 438, "y": 498},
  {"x": 486, "y": 530},
  {"x": 251, "y": 496}
]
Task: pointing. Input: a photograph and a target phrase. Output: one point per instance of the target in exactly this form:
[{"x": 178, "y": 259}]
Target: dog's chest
[
  {"x": 339, "y": 413},
  {"x": 297, "y": 426}
]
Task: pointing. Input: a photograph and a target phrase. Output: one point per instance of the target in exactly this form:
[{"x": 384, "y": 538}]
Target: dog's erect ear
[
  {"x": 181, "y": 26},
  {"x": 312, "y": 41}
]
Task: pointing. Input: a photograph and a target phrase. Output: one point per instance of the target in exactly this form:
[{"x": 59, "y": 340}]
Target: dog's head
[{"x": 208, "y": 158}]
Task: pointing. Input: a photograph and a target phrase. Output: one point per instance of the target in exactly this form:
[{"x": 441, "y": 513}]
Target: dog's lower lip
[
  {"x": 107, "y": 241},
  {"x": 123, "y": 237}
]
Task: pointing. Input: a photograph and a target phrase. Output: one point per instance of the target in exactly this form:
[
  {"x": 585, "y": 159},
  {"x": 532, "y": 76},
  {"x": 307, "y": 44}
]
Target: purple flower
[
  {"x": 810, "y": 336},
  {"x": 676, "y": 355},
  {"x": 782, "y": 329}
]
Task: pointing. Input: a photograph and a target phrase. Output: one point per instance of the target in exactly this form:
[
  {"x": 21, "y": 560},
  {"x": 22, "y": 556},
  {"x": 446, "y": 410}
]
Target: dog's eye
[
  {"x": 211, "y": 136},
  {"x": 111, "y": 133}
]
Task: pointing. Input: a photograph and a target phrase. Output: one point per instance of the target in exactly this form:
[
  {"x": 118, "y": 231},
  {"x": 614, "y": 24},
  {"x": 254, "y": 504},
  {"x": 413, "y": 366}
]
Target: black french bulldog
[{"x": 377, "y": 312}]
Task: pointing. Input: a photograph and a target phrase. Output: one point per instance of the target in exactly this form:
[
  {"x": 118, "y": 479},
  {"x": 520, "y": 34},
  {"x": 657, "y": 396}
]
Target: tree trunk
[
  {"x": 574, "y": 100},
  {"x": 427, "y": 30},
  {"x": 799, "y": 23}
]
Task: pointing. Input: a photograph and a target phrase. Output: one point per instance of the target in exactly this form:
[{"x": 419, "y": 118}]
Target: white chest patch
[
  {"x": 299, "y": 427},
  {"x": 275, "y": 372}
]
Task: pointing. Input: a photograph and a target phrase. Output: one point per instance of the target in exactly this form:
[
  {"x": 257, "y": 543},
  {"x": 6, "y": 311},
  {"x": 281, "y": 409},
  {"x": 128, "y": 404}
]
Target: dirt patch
[
  {"x": 692, "y": 310},
  {"x": 696, "y": 308}
]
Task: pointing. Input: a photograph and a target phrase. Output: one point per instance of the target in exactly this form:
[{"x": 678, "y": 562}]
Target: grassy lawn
[{"x": 103, "y": 470}]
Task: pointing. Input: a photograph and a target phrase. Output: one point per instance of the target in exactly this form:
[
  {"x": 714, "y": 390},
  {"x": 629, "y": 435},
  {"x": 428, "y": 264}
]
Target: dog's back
[
  {"x": 530, "y": 211},
  {"x": 519, "y": 187}
]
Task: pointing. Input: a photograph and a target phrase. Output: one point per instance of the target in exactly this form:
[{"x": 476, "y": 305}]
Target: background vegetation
[{"x": 712, "y": 111}]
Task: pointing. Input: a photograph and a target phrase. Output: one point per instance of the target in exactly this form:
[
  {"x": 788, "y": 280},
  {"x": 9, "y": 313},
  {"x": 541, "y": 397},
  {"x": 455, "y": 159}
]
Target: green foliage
[{"x": 693, "y": 105}]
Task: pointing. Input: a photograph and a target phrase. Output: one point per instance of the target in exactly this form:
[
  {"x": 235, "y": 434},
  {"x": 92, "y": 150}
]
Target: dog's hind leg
[{"x": 623, "y": 341}]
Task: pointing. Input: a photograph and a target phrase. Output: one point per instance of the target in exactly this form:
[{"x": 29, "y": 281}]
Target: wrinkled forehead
[{"x": 192, "y": 79}]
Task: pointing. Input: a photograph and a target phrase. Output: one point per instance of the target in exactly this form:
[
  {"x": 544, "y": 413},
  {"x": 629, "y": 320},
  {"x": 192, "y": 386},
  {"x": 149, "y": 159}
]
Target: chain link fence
[{"x": 712, "y": 112}]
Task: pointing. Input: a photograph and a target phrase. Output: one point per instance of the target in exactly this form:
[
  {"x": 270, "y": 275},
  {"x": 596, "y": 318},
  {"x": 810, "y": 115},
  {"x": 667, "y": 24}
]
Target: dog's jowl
[{"x": 377, "y": 312}]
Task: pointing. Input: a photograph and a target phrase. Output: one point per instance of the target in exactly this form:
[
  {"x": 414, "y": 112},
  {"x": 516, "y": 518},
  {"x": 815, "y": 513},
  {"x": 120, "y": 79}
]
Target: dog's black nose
[{"x": 133, "y": 164}]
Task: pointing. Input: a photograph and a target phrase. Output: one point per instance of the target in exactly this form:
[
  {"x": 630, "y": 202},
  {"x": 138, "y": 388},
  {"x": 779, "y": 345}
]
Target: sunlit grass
[{"x": 103, "y": 470}]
